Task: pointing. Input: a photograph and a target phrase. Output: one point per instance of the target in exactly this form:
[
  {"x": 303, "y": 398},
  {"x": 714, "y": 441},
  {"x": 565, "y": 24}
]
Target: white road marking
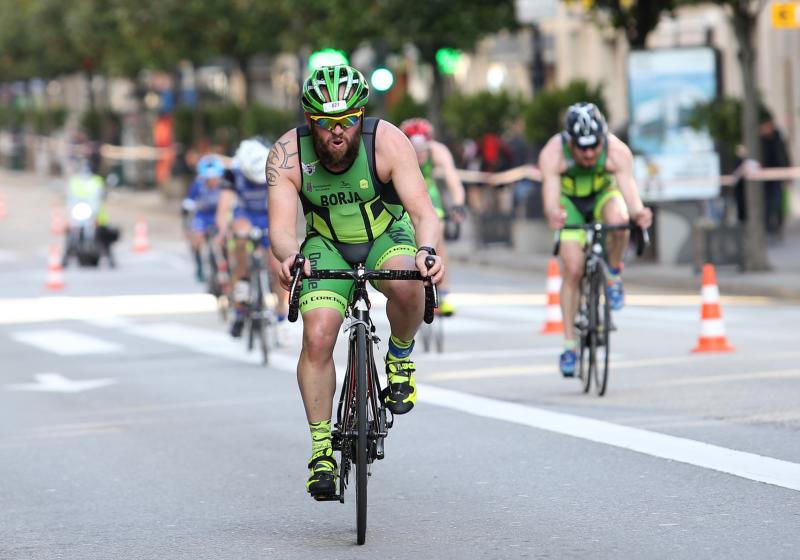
[
  {"x": 65, "y": 342},
  {"x": 57, "y": 383},
  {"x": 730, "y": 461},
  {"x": 738, "y": 463},
  {"x": 47, "y": 309},
  {"x": 214, "y": 343},
  {"x": 8, "y": 256},
  {"x": 110, "y": 322}
]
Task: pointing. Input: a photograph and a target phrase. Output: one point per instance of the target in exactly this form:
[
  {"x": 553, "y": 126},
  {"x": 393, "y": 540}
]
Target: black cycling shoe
[
  {"x": 401, "y": 392},
  {"x": 322, "y": 478},
  {"x": 236, "y": 327}
]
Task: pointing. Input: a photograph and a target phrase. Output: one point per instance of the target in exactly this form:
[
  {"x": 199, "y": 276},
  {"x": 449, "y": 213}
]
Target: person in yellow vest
[{"x": 86, "y": 193}]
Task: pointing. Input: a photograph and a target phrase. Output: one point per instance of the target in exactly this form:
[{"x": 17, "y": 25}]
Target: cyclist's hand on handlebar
[
  {"x": 287, "y": 270},
  {"x": 436, "y": 272},
  {"x": 644, "y": 217},
  {"x": 556, "y": 217}
]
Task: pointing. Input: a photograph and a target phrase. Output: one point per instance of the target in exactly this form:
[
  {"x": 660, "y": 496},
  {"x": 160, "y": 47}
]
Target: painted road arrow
[{"x": 57, "y": 383}]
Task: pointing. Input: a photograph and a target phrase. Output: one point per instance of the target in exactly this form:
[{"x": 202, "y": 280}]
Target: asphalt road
[{"x": 133, "y": 427}]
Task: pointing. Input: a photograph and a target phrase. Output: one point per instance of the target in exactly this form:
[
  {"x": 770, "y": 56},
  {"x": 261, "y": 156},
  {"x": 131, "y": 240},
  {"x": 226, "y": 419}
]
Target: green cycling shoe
[
  {"x": 400, "y": 395},
  {"x": 322, "y": 474}
]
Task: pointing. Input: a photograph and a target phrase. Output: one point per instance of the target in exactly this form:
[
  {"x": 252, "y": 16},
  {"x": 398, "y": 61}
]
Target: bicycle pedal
[{"x": 328, "y": 498}]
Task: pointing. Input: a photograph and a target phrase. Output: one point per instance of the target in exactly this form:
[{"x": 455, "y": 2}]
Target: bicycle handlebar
[
  {"x": 359, "y": 274},
  {"x": 642, "y": 239}
]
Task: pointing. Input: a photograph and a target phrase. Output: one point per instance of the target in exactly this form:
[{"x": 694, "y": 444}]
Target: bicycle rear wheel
[
  {"x": 361, "y": 440},
  {"x": 602, "y": 334}
]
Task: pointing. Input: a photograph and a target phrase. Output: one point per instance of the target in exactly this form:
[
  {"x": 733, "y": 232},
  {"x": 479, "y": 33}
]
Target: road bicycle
[
  {"x": 362, "y": 419},
  {"x": 593, "y": 323},
  {"x": 260, "y": 317}
]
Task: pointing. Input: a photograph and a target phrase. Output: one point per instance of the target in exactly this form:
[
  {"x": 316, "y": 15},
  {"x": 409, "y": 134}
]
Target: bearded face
[{"x": 337, "y": 149}]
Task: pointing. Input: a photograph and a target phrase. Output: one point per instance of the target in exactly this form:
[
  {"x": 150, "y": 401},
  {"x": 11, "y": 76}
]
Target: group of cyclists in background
[
  {"x": 369, "y": 193},
  {"x": 226, "y": 208}
]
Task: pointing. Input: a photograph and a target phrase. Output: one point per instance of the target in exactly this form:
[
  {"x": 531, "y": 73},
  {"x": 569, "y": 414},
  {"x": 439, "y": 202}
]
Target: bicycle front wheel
[
  {"x": 361, "y": 428},
  {"x": 602, "y": 334},
  {"x": 582, "y": 323}
]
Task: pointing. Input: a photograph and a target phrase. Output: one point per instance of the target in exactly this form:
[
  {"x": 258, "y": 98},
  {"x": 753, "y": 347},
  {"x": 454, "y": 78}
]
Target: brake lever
[
  {"x": 294, "y": 289},
  {"x": 431, "y": 293}
]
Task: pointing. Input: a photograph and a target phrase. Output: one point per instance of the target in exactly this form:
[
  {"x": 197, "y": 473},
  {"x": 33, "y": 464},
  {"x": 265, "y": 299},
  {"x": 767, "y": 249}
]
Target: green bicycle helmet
[{"x": 330, "y": 79}]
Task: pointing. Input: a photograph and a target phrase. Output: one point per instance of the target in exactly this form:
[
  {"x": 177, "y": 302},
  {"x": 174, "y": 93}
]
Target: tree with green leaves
[
  {"x": 637, "y": 18},
  {"x": 544, "y": 115},
  {"x": 393, "y": 24}
]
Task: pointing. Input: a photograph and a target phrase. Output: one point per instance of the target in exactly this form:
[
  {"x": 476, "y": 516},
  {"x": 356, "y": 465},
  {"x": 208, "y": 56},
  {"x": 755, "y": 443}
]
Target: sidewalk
[{"x": 782, "y": 282}]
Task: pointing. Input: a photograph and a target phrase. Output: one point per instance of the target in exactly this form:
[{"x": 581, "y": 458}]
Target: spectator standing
[{"x": 773, "y": 154}]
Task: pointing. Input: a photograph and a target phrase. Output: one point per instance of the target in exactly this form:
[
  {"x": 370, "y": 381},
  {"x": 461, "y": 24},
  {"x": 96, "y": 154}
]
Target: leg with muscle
[
  {"x": 316, "y": 376},
  {"x": 572, "y": 259}
]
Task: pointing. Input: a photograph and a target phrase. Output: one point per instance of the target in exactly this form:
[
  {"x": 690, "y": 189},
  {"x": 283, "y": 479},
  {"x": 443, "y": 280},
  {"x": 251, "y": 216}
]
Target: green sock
[
  {"x": 320, "y": 436},
  {"x": 399, "y": 349},
  {"x": 569, "y": 345}
]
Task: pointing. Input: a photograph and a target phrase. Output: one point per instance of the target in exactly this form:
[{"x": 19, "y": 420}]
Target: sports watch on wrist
[{"x": 429, "y": 250}]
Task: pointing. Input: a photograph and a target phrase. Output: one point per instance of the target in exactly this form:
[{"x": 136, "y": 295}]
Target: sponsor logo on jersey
[
  {"x": 364, "y": 184},
  {"x": 308, "y": 168}
]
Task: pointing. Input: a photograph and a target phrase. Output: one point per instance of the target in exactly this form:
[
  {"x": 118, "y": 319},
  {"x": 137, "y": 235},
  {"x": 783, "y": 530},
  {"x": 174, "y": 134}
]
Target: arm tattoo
[{"x": 278, "y": 159}]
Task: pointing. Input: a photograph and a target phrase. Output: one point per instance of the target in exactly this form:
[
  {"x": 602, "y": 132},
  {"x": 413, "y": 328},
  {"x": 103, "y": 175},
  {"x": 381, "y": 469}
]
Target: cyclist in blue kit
[
  {"x": 201, "y": 202},
  {"x": 246, "y": 188}
]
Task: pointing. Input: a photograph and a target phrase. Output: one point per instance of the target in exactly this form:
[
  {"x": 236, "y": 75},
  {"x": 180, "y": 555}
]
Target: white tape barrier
[{"x": 750, "y": 170}]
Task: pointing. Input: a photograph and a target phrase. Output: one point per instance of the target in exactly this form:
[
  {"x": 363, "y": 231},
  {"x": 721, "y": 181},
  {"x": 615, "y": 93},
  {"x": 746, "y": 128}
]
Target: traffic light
[
  {"x": 447, "y": 60},
  {"x": 382, "y": 79},
  {"x": 326, "y": 57}
]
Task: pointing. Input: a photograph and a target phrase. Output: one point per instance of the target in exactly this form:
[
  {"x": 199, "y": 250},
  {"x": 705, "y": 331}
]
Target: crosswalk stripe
[
  {"x": 65, "y": 342},
  {"x": 214, "y": 343}
]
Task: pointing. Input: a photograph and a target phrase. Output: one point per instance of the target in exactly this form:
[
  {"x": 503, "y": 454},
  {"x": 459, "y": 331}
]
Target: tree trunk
[
  {"x": 755, "y": 241},
  {"x": 244, "y": 67},
  {"x": 437, "y": 94}
]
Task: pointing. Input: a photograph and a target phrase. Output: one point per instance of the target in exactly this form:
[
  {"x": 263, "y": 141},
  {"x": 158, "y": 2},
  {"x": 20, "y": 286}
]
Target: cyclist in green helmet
[
  {"x": 587, "y": 175},
  {"x": 365, "y": 201}
]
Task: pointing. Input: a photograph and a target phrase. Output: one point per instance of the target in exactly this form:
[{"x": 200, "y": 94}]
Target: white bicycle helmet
[{"x": 251, "y": 158}]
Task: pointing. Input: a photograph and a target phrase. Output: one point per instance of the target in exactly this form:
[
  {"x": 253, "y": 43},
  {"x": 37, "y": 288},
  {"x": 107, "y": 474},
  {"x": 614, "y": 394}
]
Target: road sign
[{"x": 786, "y": 15}]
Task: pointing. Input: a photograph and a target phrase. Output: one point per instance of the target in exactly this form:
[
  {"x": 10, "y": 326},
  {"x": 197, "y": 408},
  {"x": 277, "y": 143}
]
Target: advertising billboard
[{"x": 672, "y": 161}]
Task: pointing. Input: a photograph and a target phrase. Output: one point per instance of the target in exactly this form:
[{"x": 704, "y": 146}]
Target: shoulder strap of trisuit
[{"x": 368, "y": 129}]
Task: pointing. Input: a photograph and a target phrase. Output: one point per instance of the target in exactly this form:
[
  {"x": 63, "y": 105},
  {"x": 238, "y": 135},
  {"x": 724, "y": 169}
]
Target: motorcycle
[{"x": 85, "y": 240}]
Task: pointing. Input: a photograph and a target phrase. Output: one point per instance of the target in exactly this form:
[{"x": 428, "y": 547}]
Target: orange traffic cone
[
  {"x": 55, "y": 273},
  {"x": 3, "y": 207},
  {"x": 712, "y": 329},
  {"x": 140, "y": 242},
  {"x": 58, "y": 225},
  {"x": 554, "y": 322}
]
